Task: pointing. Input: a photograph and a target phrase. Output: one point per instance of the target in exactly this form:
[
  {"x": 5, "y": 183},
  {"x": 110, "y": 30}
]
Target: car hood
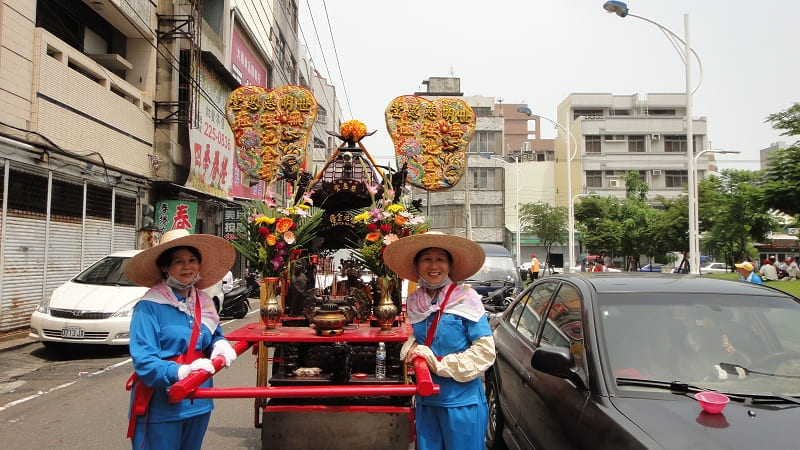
[
  {"x": 679, "y": 422},
  {"x": 94, "y": 297}
]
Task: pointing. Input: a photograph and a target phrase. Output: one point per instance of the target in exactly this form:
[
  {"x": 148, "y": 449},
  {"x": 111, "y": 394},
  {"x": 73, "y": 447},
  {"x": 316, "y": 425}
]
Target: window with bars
[
  {"x": 486, "y": 215},
  {"x": 594, "y": 178},
  {"x": 675, "y": 143},
  {"x": 486, "y": 142},
  {"x": 27, "y": 192},
  {"x": 675, "y": 178},
  {"x": 587, "y": 113},
  {"x": 593, "y": 143},
  {"x": 124, "y": 210},
  {"x": 485, "y": 178},
  {"x": 447, "y": 216},
  {"x": 635, "y": 144}
]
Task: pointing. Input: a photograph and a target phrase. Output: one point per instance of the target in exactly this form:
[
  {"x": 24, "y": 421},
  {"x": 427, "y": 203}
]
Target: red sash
[
  {"x": 143, "y": 392},
  {"x": 435, "y": 321}
]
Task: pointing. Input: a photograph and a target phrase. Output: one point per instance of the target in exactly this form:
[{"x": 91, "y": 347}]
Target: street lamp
[
  {"x": 570, "y": 138},
  {"x": 621, "y": 9},
  {"x": 695, "y": 206},
  {"x": 516, "y": 189}
]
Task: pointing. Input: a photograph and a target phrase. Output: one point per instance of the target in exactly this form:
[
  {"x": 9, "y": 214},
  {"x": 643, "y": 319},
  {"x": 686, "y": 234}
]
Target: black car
[{"x": 617, "y": 362}]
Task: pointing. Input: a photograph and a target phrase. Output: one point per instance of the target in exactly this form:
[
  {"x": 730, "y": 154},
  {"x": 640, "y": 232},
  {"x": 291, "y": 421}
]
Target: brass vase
[
  {"x": 270, "y": 307},
  {"x": 386, "y": 311}
]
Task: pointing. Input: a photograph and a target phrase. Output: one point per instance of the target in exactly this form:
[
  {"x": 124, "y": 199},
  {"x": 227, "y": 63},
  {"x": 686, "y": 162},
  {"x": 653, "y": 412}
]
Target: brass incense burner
[{"x": 329, "y": 320}]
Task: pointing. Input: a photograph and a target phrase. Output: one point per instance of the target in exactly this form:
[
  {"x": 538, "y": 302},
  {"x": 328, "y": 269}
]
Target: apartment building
[{"x": 616, "y": 134}]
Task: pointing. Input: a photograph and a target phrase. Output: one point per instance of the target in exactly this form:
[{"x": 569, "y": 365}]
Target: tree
[
  {"x": 734, "y": 213},
  {"x": 782, "y": 181},
  {"x": 597, "y": 219},
  {"x": 787, "y": 120},
  {"x": 547, "y": 222},
  {"x": 635, "y": 186}
]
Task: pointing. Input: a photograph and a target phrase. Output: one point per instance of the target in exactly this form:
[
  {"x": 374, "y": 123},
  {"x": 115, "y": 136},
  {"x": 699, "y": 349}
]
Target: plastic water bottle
[{"x": 380, "y": 361}]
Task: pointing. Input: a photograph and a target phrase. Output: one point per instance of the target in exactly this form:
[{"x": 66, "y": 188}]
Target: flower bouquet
[
  {"x": 271, "y": 238},
  {"x": 382, "y": 223}
]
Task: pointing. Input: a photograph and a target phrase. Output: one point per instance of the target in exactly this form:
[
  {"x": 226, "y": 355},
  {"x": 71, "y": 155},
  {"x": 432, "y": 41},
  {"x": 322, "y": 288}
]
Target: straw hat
[
  {"x": 217, "y": 256},
  {"x": 467, "y": 256}
]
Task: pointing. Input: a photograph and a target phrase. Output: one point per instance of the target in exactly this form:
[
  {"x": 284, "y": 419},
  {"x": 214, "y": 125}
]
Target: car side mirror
[{"x": 559, "y": 362}]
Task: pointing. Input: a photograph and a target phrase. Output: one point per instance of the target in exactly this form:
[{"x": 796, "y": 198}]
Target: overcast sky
[{"x": 538, "y": 52}]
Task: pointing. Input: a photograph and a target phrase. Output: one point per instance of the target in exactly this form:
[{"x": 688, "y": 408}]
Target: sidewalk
[{"x": 15, "y": 339}]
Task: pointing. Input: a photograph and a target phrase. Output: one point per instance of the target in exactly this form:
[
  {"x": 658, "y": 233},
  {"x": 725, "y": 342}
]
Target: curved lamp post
[
  {"x": 516, "y": 189},
  {"x": 621, "y": 9},
  {"x": 696, "y": 204},
  {"x": 570, "y": 138}
]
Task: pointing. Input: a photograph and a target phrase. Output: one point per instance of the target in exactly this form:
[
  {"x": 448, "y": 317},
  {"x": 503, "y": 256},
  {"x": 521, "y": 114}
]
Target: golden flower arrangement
[
  {"x": 270, "y": 237},
  {"x": 353, "y": 130}
]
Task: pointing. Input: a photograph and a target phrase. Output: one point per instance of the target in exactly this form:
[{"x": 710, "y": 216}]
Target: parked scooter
[
  {"x": 498, "y": 300},
  {"x": 234, "y": 303},
  {"x": 251, "y": 279}
]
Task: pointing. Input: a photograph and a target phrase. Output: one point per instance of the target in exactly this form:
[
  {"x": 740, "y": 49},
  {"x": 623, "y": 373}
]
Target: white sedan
[
  {"x": 715, "y": 267},
  {"x": 94, "y": 307}
]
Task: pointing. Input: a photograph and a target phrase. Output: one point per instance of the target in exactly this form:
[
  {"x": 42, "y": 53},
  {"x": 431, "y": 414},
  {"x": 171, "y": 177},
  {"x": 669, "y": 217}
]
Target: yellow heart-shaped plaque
[
  {"x": 431, "y": 137},
  {"x": 270, "y": 128}
]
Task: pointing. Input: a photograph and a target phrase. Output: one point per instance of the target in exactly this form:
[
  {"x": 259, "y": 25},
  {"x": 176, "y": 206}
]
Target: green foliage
[
  {"x": 782, "y": 181},
  {"x": 787, "y": 120},
  {"x": 734, "y": 213},
  {"x": 635, "y": 186},
  {"x": 547, "y": 222}
]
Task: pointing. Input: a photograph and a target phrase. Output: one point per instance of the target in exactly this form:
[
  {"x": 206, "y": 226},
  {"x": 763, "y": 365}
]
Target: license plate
[{"x": 72, "y": 332}]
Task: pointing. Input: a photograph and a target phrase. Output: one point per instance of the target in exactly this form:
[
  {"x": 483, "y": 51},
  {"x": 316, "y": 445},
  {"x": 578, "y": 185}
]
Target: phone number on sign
[{"x": 216, "y": 135}]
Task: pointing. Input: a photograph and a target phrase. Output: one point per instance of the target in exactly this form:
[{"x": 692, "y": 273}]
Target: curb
[{"x": 15, "y": 340}]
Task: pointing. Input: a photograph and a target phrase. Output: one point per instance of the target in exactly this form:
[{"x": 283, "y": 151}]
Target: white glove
[
  {"x": 464, "y": 366},
  {"x": 198, "y": 364},
  {"x": 223, "y": 347}
]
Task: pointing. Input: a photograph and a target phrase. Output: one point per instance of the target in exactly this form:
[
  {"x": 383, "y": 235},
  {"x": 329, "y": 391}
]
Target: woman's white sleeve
[{"x": 464, "y": 366}]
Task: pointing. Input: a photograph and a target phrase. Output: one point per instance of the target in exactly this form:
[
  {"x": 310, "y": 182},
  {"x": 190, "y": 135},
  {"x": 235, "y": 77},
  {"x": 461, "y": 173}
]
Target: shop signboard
[{"x": 175, "y": 214}]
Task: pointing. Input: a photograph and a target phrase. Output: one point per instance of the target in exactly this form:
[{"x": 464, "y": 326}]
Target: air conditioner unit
[
  {"x": 613, "y": 183},
  {"x": 655, "y": 137},
  {"x": 655, "y": 172}
]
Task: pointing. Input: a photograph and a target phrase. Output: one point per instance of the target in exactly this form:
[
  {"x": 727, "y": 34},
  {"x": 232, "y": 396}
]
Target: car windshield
[
  {"x": 730, "y": 343},
  {"x": 108, "y": 271},
  {"x": 497, "y": 269}
]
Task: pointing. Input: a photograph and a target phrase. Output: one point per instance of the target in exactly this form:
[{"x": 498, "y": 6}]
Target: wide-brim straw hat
[
  {"x": 217, "y": 256},
  {"x": 467, "y": 256}
]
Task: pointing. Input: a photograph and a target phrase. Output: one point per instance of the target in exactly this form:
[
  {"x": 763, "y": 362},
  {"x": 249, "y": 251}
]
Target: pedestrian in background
[
  {"x": 745, "y": 270},
  {"x": 534, "y": 267},
  {"x": 451, "y": 332},
  {"x": 174, "y": 331},
  {"x": 768, "y": 271},
  {"x": 792, "y": 268}
]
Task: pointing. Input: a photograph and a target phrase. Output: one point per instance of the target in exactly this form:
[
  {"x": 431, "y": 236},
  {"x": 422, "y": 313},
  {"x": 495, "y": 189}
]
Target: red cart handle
[
  {"x": 184, "y": 387},
  {"x": 425, "y": 384}
]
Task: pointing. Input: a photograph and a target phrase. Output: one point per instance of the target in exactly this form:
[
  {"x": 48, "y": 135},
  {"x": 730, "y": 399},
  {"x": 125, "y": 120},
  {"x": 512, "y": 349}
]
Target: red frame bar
[
  {"x": 186, "y": 386},
  {"x": 250, "y": 334}
]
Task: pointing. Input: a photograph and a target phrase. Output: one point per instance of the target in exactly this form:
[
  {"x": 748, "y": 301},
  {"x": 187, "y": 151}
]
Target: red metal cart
[{"x": 348, "y": 410}]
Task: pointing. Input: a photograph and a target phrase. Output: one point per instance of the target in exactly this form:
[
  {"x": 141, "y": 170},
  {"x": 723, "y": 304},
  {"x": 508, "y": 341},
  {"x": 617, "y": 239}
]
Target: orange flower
[
  {"x": 353, "y": 129},
  {"x": 284, "y": 224},
  {"x": 271, "y": 239},
  {"x": 399, "y": 220},
  {"x": 373, "y": 237}
]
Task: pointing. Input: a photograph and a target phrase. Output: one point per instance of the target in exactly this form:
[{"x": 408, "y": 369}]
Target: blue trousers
[
  {"x": 452, "y": 427},
  {"x": 185, "y": 434}
]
